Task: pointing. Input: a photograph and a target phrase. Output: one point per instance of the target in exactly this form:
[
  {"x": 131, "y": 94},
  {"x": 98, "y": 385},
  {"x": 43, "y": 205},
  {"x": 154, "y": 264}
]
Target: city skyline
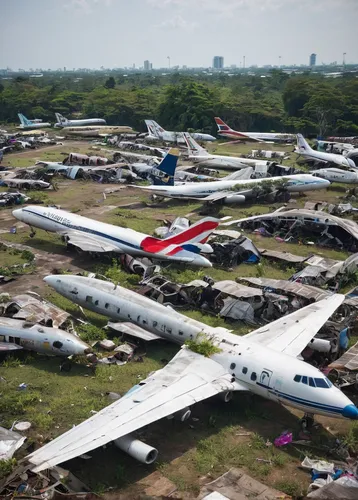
[{"x": 52, "y": 34}]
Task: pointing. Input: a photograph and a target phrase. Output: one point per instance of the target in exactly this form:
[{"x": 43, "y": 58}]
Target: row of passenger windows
[
  {"x": 166, "y": 329},
  {"x": 244, "y": 371},
  {"x": 324, "y": 383}
]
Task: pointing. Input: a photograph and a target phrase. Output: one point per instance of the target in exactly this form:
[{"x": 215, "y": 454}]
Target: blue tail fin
[
  {"x": 163, "y": 175},
  {"x": 24, "y": 121}
]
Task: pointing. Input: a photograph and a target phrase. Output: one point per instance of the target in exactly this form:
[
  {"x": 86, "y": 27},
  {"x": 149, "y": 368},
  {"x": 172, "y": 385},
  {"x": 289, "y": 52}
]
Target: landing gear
[
  {"x": 65, "y": 366},
  {"x": 33, "y": 232},
  {"x": 307, "y": 422}
]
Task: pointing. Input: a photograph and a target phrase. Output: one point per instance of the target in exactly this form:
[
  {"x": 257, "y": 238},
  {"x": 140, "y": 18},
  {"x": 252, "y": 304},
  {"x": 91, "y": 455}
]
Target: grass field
[{"x": 222, "y": 435}]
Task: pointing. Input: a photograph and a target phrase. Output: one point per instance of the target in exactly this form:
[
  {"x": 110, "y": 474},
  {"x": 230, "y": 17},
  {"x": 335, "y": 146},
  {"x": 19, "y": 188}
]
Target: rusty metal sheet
[
  {"x": 285, "y": 256},
  {"x": 305, "y": 291},
  {"x": 37, "y": 311},
  {"x": 348, "y": 361},
  {"x": 236, "y": 289}
]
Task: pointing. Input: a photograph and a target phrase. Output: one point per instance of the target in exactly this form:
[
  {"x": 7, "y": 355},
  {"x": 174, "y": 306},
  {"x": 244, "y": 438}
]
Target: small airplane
[
  {"x": 225, "y": 131},
  {"x": 337, "y": 175},
  {"x": 200, "y": 155},
  {"x": 27, "y": 124},
  {"x": 265, "y": 362},
  {"x": 16, "y": 334},
  {"x": 157, "y": 133},
  {"x": 63, "y": 122},
  {"x": 304, "y": 149}
]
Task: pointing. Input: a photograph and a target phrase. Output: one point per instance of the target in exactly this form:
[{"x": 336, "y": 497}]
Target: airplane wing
[
  {"x": 7, "y": 346},
  {"x": 87, "y": 242},
  {"x": 185, "y": 380},
  {"x": 292, "y": 333},
  {"x": 218, "y": 195}
]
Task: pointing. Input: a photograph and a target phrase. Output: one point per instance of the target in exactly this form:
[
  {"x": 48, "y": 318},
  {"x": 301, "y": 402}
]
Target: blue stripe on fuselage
[{"x": 85, "y": 230}]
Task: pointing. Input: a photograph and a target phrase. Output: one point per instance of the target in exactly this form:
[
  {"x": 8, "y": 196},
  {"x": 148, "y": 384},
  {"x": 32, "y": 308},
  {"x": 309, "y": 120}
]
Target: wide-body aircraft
[
  {"x": 157, "y": 133},
  {"x": 226, "y": 131},
  {"x": 63, "y": 122},
  {"x": 27, "y": 124},
  {"x": 265, "y": 362}
]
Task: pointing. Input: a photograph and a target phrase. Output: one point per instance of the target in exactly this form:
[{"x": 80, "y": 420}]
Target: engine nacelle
[
  {"x": 236, "y": 198},
  {"x": 320, "y": 345},
  {"x": 137, "y": 449}
]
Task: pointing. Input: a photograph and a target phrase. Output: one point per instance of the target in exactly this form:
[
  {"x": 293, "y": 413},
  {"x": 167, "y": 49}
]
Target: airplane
[
  {"x": 30, "y": 124},
  {"x": 200, "y": 155},
  {"x": 157, "y": 133},
  {"x": 305, "y": 150},
  {"x": 96, "y": 130},
  {"x": 265, "y": 362},
  {"x": 230, "y": 190},
  {"x": 64, "y": 122},
  {"x": 225, "y": 131},
  {"x": 16, "y": 334},
  {"x": 337, "y": 175}
]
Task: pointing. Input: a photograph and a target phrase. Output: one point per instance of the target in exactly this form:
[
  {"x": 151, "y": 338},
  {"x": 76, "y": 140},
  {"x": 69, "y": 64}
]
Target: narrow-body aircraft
[
  {"x": 304, "y": 149},
  {"x": 27, "y": 124},
  {"x": 63, "y": 122},
  {"x": 157, "y": 133},
  {"x": 264, "y": 362},
  {"x": 226, "y": 131}
]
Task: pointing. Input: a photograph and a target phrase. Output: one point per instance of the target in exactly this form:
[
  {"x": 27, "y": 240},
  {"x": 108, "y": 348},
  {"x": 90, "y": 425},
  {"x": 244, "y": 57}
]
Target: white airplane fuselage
[
  {"x": 33, "y": 126},
  {"x": 295, "y": 183},
  {"x": 177, "y": 138},
  {"x": 222, "y": 161},
  {"x": 124, "y": 240},
  {"x": 80, "y": 123},
  {"x": 41, "y": 339},
  {"x": 259, "y": 369},
  {"x": 257, "y": 136},
  {"x": 337, "y": 175}
]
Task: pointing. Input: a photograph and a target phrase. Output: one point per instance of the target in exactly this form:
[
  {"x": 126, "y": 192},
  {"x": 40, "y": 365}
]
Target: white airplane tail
[
  {"x": 154, "y": 129},
  {"x": 61, "y": 119},
  {"x": 302, "y": 145},
  {"x": 194, "y": 148}
]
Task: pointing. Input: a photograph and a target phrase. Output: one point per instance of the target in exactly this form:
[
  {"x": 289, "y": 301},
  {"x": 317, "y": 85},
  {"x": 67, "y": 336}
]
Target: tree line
[{"x": 278, "y": 102}]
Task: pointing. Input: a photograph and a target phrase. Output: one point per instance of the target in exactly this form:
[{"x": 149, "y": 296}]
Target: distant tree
[
  {"x": 110, "y": 83},
  {"x": 1, "y": 87}
]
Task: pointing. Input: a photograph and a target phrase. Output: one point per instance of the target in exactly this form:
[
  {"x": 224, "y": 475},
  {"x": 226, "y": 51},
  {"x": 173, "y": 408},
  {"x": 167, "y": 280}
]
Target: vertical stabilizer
[
  {"x": 24, "y": 121},
  {"x": 194, "y": 148},
  {"x": 163, "y": 175},
  {"x": 61, "y": 119},
  {"x": 222, "y": 127},
  {"x": 302, "y": 145}
]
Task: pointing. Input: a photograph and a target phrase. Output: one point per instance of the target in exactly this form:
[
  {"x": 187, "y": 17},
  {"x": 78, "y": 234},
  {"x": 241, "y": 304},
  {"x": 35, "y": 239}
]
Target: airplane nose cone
[
  {"x": 51, "y": 280},
  {"x": 351, "y": 412},
  {"x": 17, "y": 214}
]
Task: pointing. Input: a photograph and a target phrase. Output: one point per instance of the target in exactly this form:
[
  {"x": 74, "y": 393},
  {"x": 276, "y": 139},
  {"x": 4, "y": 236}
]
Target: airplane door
[{"x": 265, "y": 377}]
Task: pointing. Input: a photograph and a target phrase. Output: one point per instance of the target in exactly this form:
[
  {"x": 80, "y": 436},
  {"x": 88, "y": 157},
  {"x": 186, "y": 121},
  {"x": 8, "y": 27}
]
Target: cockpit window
[
  {"x": 297, "y": 378},
  {"x": 311, "y": 381},
  {"x": 304, "y": 380},
  {"x": 324, "y": 383}
]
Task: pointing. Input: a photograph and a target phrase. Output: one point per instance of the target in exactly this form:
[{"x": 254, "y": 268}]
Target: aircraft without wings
[
  {"x": 226, "y": 131},
  {"x": 264, "y": 362},
  {"x": 157, "y": 133},
  {"x": 27, "y": 124},
  {"x": 63, "y": 122},
  {"x": 337, "y": 175},
  {"x": 304, "y": 149},
  {"x": 16, "y": 334}
]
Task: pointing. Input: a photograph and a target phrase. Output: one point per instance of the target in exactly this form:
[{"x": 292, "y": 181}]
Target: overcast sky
[{"x": 117, "y": 33}]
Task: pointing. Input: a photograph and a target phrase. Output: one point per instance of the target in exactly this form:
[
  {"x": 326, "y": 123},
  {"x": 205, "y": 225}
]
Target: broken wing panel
[
  {"x": 187, "y": 379},
  {"x": 88, "y": 243},
  {"x": 292, "y": 333},
  {"x": 7, "y": 346}
]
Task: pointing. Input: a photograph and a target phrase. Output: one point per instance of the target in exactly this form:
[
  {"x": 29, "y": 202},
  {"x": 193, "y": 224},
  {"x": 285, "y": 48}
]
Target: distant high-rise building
[
  {"x": 313, "y": 59},
  {"x": 147, "y": 66},
  {"x": 218, "y": 62}
]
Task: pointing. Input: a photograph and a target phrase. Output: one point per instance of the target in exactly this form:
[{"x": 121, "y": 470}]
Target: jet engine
[
  {"x": 320, "y": 345},
  {"x": 235, "y": 198},
  {"x": 137, "y": 449}
]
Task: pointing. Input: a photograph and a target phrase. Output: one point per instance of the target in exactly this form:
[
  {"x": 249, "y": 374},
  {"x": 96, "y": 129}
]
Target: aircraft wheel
[{"x": 65, "y": 366}]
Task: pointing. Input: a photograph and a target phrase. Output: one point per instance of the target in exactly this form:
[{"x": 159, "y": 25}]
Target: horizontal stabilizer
[
  {"x": 133, "y": 330},
  {"x": 7, "y": 346}
]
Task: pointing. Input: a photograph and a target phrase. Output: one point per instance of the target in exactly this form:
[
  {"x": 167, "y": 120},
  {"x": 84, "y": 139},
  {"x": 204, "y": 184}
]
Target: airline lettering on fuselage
[{"x": 58, "y": 218}]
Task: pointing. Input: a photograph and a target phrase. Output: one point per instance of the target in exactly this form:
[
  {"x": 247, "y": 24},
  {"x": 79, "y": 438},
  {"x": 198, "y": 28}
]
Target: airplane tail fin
[
  {"x": 61, "y": 119},
  {"x": 151, "y": 128},
  {"x": 222, "y": 127},
  {"x": 23, "y": 120},
  {"x": 302, "y": 144},
  {"x": 193, "y": 147},
  {"x": 163, "y": 175},
  {"x": 188, "y": 242}
]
